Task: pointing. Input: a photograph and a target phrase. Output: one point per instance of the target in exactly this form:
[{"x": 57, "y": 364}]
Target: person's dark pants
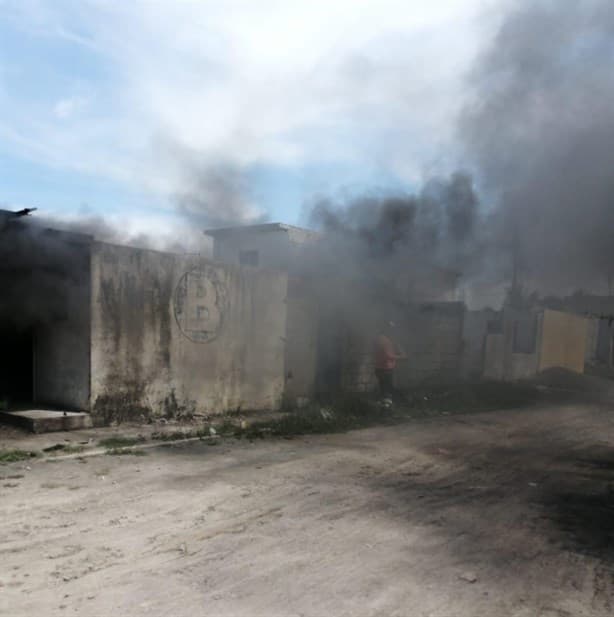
[{"x": 385, "y": 381}]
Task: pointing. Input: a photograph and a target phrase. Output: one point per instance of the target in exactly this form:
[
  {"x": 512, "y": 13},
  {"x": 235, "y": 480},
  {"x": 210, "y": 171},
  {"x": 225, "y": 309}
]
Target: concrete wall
[
  {"x": 433, "y": 342},
  {"x": 560, "y": 341},
  {"x": 175, "y": 334},
  {"x": 603, "y": 344},
  {"x": 519, "y": 330},
  {"x": 475, "y": 331},
  {"x": 563, "y": 342},
  {"x": 45, "y": 276},
  {"x": 62, "y": 348},
  {"x": 277, "y": 248},
  {"x": 301, "y": 340},
  {"x": 430, "y": 334},
  {"x": 592, "y": 341},
  {"x": 358, "y": 368},
  {"x": 494, "y": 357}
]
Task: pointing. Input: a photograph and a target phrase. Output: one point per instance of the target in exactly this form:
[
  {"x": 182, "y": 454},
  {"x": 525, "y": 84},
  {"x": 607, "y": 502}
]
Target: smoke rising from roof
[{"x": 215, "y": 195}]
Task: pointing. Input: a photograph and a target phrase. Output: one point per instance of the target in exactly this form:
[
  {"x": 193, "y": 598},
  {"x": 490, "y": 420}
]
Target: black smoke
[
  {"x": 540, "y": 132},
  {"x": 439, "y": 226},
  {"x": 537, "y": 136}
]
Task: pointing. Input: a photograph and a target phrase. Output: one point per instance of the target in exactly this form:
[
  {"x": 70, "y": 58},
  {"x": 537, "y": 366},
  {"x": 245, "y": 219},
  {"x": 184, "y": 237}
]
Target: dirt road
[{"x": 505, "y": 513}]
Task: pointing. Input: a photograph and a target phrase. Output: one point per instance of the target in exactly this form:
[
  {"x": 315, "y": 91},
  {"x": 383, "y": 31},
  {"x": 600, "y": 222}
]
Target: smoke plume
[
  {"x": 538, "y": 137},
  {"x": 540, "y": 133},
  {"x": 438, "y": 227},
  {"x": 208, "y": 190}
]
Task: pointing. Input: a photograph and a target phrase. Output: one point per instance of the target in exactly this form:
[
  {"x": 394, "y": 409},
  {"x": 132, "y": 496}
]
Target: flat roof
[
  {"x": 13, "y": 220},
  {"x": 226, "y": 231}
]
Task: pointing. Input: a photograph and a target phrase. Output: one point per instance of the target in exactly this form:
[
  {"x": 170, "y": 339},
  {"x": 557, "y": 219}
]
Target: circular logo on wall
[{"x": 200, "y": 304}]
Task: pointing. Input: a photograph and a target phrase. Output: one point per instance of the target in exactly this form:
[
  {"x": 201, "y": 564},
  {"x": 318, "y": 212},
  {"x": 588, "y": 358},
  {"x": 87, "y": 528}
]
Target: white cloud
[{"x": 282, "y": 82}]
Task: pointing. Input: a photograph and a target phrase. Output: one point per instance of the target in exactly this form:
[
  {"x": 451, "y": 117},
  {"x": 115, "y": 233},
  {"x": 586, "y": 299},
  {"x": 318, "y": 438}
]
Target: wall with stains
[
  {"x": 175, "y": 334},
  {"x": 512, "y": 346},
  {"x": 62, "y": 342},
  {"x": 44, "y": 315}
]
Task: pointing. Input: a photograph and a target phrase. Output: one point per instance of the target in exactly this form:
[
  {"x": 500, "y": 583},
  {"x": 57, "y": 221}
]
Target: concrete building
[
  {"x": 282, "y": 247},
  {"x": 329, "y": 343},
  {"x": 520, "y": 344},
  {"x": 127, "y": 333},
  {"x": 271, "y": 245},
  {"x": 599, "y": 310}
]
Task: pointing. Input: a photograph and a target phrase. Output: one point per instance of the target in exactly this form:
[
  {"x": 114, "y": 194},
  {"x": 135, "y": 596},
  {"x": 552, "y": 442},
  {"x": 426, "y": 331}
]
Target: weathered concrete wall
[
  {"x": 560, "y": 340},
  {"x": 280, "y": 249},
  {"x": 62, "y": 344},
  {"x": 502, "y": 358},
  {"x": 563, "y": 341},
  {"x": 358, "y": 367},
  {"x": 301, "y": 340},
  {"x": 475, "y": 331},
  {"x": 494, "y": 356},
  {"x": 523, "y": 365},
  {"x": 433, "y": 342},
  {"x": 45, "y": 277},
  {"x": 592, "y": 341},
  {"x": 174, "y": 334},
  {"x": 62, "y": 361},
  {"x": 431, "y": 336}
]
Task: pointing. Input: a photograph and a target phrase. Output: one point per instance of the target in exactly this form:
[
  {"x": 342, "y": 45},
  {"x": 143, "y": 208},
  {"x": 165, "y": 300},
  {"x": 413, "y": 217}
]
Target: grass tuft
[{"x": 13, "y": 456}]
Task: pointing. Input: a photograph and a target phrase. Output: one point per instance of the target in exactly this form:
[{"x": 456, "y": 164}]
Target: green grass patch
[
  {"x": 13, "y": 456},
  {"x": 120, "y": 442}
]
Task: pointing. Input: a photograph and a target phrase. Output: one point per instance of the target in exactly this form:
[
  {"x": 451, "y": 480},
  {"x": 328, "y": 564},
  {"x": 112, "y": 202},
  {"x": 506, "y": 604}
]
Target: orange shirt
[{"x": 385, "y": 356}]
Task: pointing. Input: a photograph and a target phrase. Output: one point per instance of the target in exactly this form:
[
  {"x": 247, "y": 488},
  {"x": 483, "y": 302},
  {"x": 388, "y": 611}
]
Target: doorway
[{"x": 16, "y": 367}]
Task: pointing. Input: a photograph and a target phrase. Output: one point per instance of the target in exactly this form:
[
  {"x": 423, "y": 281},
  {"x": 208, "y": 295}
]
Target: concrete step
[{"x": 46, "y": 421}]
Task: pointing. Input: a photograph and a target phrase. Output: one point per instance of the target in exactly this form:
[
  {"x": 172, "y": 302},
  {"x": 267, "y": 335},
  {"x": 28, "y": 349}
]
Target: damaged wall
[
  {"x": 175, "y": 334},
  {"x": 62, "y": 345},
  {"x": 44, "y": 315}
]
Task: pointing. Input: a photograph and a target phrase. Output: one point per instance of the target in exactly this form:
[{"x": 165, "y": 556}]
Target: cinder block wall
[
  {"x": 431, "y": 334},
  {"x": 433, "y": 341}
]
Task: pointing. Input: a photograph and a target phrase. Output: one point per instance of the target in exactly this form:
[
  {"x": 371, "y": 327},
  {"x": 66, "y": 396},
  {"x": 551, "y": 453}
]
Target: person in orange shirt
[{"x": 385, "y": 356}]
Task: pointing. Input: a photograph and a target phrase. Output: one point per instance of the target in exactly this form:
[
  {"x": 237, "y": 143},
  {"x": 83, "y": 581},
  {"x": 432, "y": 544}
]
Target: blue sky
[{"x": 111, "y": 108}]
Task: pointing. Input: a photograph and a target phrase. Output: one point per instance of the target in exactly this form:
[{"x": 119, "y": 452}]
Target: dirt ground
[{"x": 501, "y": 513}]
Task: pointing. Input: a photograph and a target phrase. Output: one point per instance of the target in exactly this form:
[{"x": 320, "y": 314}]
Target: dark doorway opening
[{"x": 16, "y": 367}]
